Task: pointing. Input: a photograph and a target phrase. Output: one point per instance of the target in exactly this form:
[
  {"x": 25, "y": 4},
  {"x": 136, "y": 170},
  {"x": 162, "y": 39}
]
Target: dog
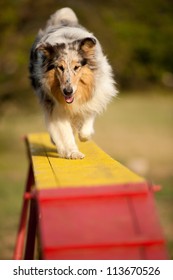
[{"x": 72, "y": 79}]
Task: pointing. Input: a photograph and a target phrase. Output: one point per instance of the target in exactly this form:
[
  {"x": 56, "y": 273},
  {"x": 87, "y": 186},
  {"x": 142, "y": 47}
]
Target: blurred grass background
[{"x": 137, "y": 127}]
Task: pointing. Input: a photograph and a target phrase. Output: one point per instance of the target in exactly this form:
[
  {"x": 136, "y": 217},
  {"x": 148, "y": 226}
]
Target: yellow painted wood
[{"x": 96, "y": 169}]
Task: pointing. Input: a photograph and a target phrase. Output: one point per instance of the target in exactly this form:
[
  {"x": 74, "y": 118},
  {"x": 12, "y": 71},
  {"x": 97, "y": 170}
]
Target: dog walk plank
[
  {"x": 96, "y": 169},
  {"x": 43, "y": 173},
  {"x": 94, "y": 208}
]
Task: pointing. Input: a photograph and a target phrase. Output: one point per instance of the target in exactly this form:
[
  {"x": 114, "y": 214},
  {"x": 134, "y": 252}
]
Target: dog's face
[
  {"x": 68, "y": 71},
  {"x": 69, "y": 63}
]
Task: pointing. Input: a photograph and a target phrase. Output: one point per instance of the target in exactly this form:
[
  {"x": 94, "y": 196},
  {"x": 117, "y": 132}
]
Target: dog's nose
[{"x": 68, "y": 91}]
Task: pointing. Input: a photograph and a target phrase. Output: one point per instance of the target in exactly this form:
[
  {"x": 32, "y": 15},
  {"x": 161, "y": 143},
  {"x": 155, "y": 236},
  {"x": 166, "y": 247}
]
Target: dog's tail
[{"x": 64, "y": 16}]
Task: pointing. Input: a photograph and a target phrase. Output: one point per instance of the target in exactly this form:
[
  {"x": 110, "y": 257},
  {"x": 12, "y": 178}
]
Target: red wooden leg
[
  {"x": 31, "y": 235},
  {"x": 19, "y": 247}
]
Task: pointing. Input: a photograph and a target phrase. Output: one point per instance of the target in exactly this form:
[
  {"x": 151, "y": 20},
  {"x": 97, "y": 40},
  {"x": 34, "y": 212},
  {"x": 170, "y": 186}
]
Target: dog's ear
[
  {"x": 48, "y": 50},
  {"x": 87, "y": 44}
]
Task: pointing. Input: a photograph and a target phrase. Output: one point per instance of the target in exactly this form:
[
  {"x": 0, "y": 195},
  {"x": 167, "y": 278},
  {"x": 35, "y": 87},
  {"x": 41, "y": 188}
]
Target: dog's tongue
[{"x": 69, "y": 99}]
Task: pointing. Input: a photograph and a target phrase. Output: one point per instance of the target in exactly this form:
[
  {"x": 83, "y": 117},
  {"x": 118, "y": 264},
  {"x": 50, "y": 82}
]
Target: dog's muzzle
[{"x": 68, "y": 95}]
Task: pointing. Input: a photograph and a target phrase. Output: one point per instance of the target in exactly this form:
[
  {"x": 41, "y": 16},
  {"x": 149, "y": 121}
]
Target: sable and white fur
[{"x": 72, "y": 79}]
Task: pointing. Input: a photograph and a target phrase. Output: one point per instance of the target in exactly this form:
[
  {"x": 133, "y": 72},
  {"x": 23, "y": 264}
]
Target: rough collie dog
[{"x": 72, "y": 79}]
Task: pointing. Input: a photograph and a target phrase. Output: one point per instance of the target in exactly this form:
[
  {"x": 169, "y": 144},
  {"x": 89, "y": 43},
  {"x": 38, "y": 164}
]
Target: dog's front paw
[
  {"x": 85, "y": 136},
  {"x": 75, "y": 155},
  {"x": 71, "y": 154}
]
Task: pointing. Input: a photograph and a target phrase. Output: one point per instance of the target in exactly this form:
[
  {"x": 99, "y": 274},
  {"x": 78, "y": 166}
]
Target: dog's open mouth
[{"x": 69, "y": 99}]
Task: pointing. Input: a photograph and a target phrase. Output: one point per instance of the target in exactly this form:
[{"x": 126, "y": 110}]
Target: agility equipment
[{"x": 94, "y": 208}]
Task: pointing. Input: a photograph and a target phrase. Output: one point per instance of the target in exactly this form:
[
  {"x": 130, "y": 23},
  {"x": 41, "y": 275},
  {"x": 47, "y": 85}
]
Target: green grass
[
  {"x": 136, "y": 130},
  {"x": 14, "y": 124}
]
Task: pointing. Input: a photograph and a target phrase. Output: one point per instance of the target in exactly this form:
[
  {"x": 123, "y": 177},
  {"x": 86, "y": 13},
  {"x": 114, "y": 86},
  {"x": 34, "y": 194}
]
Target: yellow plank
[
  {"x": 41, "y": 166},
  {"x": 97, "y": 168}
]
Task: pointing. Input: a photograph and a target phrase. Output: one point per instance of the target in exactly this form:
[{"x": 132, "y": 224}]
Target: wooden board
[{"x": 96, "y": 169}]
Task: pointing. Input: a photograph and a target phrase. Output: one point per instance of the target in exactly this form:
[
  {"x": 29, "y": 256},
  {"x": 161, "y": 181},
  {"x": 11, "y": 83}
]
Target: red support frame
[
  {"x": 106, "y": 222},
  {"x": 20, "y": 241},
  {"x": 32, "y": 228}
]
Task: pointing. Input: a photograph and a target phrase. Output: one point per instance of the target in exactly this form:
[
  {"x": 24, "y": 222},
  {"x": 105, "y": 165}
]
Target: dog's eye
[
  {"x": 61, "y": 68},
  {"x": 76, "y": 67}
]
